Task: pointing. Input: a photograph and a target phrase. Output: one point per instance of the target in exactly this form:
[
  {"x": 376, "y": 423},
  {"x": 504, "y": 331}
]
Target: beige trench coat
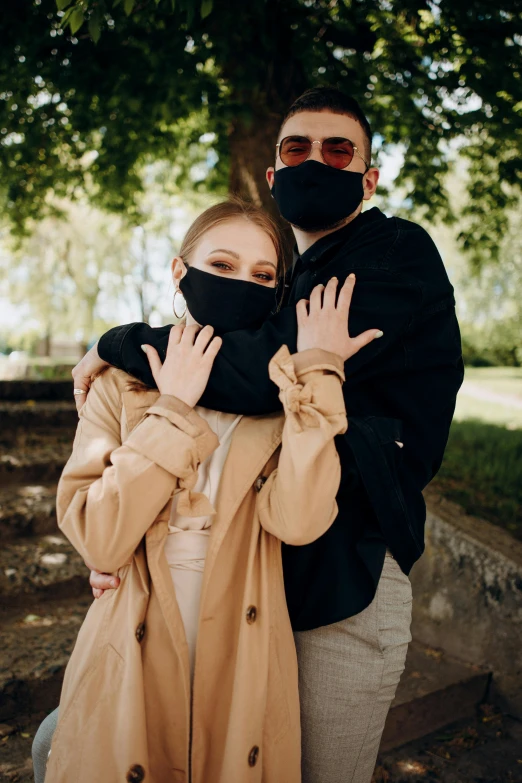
[{"x": 125, "y": 709}]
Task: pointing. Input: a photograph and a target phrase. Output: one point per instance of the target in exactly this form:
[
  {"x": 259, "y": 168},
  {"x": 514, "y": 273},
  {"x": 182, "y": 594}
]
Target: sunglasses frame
[{"x": 318, "y": 141}]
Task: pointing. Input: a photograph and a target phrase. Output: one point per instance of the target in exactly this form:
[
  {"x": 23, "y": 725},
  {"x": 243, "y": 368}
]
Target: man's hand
[
  {"x": 102, "y": 582},
  {"x": 83, "y": 372}
]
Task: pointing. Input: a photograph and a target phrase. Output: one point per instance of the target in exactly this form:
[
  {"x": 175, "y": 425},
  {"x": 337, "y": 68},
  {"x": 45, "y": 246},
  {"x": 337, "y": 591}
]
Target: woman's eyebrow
[
  {"x": 223, "y": 250},
  {"x": 266, "y": 263}
]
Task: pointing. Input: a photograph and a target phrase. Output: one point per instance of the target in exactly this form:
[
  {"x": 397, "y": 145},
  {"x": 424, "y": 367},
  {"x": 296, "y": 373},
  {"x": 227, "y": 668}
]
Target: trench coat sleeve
[
  {"x": 297, "y": 502},
  {"x": 111, "y": 492}
]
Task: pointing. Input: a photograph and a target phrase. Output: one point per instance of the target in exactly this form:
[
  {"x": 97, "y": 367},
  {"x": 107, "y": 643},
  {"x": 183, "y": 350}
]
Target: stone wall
[{"x": 467, "y": 591}]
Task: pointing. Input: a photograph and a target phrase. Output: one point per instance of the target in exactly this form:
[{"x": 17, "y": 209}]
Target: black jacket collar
[{"x": 339, "y": 237}]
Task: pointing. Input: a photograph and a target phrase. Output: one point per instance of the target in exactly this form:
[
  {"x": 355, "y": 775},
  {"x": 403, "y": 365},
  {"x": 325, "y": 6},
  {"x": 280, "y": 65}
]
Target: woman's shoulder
[
  {"x": 112, "y": 381},
  {"x": 110, "y": 386}
]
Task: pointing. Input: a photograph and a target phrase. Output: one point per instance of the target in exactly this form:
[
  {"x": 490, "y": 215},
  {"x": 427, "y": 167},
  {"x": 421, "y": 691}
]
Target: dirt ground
[{"x": 486, "y": 749}]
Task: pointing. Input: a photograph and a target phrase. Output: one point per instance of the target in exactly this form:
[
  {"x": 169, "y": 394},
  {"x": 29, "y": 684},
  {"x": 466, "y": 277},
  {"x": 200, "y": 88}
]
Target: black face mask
[
  {"x": 226, "y": 304},
  {"x": 314, "y": 196}
]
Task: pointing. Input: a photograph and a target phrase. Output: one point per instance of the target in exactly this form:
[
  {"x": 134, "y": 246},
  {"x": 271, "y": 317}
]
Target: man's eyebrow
[{"x": 223, "y": 250}]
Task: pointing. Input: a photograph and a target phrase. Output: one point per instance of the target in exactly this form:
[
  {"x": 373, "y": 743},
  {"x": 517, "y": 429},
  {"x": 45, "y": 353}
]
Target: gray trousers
[{"x": 348, "y": 674}]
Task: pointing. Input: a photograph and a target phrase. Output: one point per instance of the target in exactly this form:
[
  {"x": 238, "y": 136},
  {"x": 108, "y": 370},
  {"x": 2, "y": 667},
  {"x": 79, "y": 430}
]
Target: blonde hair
[{"x": 234, "y": 207}]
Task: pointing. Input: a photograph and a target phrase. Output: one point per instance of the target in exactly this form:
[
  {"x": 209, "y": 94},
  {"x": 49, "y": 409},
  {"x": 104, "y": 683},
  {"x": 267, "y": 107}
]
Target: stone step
[
  {"x": 435, "y": 690},
  {"x": 36, "y": 390},
  {"x": 36, "y": 643},
  {"x": 27, "y": 510},
  {"x": 46, "y": 566},
  {"x": 22, "y": 420},
  {"x": 38, "y": 463}
]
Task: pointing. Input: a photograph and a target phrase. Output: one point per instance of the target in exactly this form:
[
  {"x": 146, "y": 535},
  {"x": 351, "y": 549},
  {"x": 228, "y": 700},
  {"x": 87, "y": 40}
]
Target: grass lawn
[
  {"x": 491, "y": 394},
  {"x": 482, "y": 468}
]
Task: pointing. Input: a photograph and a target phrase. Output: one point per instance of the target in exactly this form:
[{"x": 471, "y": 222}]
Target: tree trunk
[
  {"x": 266, "y": 77},
  {"x": 252, "y": 151},
  {"x": 46, "y": 342}
]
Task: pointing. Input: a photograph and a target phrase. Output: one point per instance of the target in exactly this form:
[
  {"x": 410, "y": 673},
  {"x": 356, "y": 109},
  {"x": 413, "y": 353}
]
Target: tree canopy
[{"x": 91, "y": 90}]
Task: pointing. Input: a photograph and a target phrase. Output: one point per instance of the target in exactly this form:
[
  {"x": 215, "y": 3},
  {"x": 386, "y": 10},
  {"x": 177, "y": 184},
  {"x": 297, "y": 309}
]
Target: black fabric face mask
[
  {"x": 226, "y": 304},
  {"x": 314, "y": 196}
]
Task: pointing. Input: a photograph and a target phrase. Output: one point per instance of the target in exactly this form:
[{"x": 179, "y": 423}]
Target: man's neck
[{"x": 305, "y": 239}]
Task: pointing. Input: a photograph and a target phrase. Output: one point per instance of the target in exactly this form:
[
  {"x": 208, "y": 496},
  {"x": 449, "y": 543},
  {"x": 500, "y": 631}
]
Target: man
[{"x": 348, "y": 593}]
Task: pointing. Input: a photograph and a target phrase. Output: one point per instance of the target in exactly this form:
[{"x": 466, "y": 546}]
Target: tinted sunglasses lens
[
  {"x": 294, "y": 150},
  {"x": 338, "y": 153}
]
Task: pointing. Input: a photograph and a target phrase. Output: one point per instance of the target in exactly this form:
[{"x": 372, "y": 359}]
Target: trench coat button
[
  {"x": 253, "y": 756},
  {"x": 140, "y": 633},
  {"x": 251, "y": 615},
  {"x": 136, "y": 774}
]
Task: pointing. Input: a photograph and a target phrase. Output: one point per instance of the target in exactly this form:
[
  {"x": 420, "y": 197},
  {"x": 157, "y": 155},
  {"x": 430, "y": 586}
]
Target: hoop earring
[{"x": 184, "y": 305}]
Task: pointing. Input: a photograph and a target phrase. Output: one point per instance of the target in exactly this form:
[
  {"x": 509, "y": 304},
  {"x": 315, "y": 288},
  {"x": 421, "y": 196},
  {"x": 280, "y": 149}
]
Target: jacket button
[
  {"x": 251, "y": 615},
  {"x": 136, "y": 774},
  {"x": 253, "y": 756},
  {"x": 140, "y": 633}
]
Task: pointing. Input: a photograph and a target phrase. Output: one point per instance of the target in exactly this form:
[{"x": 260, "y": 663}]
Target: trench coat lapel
[{"x": 254, "y": 441}]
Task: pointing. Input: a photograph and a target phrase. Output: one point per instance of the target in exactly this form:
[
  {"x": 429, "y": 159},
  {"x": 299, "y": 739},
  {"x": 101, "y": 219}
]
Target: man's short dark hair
[{"x": 331, "y": 99}]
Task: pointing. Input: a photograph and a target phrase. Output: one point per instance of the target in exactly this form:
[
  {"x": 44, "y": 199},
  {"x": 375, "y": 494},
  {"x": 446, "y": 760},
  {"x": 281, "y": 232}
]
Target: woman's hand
[
  {"x": 187, "y": 366},
  {"x": 323, "y": 324}
]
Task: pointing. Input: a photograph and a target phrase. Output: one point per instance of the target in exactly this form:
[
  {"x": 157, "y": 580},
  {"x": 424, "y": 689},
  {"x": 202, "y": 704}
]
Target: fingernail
[
  {"x": 143, "y": 348},
  {"x": 379, "y": 334},
  {"x": 113, "y": 583},
  {"x": 352, "y": 275}
]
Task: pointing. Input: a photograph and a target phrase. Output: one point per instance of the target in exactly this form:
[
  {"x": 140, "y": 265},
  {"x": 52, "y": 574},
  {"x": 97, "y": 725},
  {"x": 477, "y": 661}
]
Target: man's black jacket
[{"x": 401, "y": 389}]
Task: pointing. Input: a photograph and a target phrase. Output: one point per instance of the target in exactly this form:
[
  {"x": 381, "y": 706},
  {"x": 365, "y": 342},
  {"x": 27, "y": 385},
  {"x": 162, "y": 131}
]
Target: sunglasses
[{"x": 336, "y": 152}]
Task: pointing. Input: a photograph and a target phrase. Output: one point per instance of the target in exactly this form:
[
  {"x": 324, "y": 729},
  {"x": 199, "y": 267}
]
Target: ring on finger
[{"x": 79, "y": 391}]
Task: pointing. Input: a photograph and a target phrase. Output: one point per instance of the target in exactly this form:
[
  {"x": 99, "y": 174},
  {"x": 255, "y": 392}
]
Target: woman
[{"x": 188, "y": 671}]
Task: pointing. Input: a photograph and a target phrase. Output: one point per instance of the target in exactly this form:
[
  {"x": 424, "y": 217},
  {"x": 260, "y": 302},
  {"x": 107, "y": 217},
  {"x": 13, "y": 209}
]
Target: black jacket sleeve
[{"x": 239, "y": 382}]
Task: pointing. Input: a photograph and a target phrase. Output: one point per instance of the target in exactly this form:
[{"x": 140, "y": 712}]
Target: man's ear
[
  {"x": 370, "y": 181},
  {"x": 270, "y": 176},
  {"x": 179, "y": 270}
]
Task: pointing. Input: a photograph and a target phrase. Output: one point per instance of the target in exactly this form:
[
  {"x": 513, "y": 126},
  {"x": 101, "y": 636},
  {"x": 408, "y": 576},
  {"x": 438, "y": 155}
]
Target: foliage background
[{"x": 141, "y": 112}]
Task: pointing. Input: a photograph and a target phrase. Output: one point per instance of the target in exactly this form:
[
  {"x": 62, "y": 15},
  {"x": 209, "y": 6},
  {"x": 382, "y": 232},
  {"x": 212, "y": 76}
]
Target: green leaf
[
  {"x": 95, "y": 26},
  {"x": 76, "y": 20},
  {"x": 66, "y": 16},
  {"x": 206, "y": 8},
  {"x": 128, "y": 5},
  {"x": 61, "y": 4}
]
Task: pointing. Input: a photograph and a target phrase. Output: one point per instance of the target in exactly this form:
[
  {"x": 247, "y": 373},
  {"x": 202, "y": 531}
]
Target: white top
[{"x": 187, "y": 541}]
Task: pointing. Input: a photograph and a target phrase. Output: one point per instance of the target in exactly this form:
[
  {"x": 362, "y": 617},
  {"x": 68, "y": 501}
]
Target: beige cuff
[
  {"x": 173, "y": 404},
  {"x": 317, "y": 359},
  {"x": 285, "y": 368}
]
